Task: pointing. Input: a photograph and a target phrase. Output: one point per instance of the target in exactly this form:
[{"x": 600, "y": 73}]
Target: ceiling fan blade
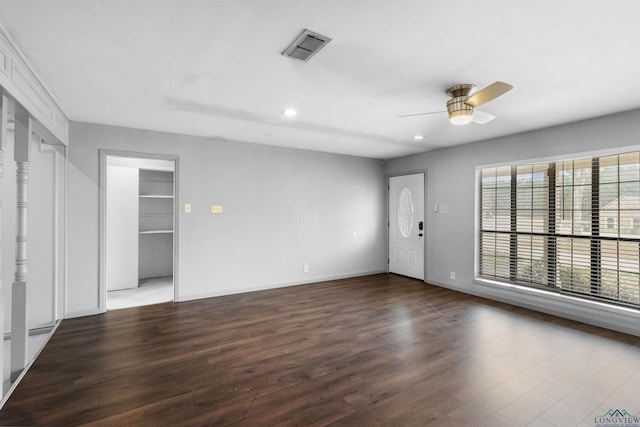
[
  {"x": 423, "y": 114},
  {"x": 489, "y": 93},
  {"x": 480, "y": 117}
]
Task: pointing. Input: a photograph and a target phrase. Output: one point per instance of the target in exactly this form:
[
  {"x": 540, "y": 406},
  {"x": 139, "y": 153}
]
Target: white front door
[{"x": 406, "y": 225}]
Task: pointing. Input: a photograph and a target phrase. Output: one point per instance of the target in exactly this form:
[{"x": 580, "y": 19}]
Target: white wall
[
  {"x": 282, "y": 209},
  {"x": 451, "y": 184}
]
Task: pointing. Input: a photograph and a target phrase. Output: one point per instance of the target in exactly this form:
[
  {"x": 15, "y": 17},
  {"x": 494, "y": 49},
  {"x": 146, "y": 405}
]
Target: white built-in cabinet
[{"x": 155, "y": 246}]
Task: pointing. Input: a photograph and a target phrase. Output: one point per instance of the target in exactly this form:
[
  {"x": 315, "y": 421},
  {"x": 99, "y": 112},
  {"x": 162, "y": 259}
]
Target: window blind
[{"x": 571, "y": 226}]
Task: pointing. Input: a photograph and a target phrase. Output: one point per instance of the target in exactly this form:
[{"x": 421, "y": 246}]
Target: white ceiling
[{"x": 213, "y": 68}]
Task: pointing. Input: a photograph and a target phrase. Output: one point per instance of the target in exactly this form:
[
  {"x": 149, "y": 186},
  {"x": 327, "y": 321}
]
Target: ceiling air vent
[{"x": 306, "y": 45}]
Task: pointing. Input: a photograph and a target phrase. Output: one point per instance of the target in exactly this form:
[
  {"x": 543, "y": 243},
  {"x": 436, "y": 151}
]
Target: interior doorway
[{"x": 138, "y": 230}]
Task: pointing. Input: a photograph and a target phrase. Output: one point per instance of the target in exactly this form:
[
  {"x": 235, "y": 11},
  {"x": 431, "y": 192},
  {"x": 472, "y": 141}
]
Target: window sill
[{"x": 593, "y": 312}]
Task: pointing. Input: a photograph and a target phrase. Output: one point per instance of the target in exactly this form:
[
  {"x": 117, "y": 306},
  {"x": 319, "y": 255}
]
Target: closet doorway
[{"x": 138, "y": 230}]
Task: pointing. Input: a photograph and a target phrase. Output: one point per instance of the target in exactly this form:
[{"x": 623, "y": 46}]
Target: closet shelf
[
  {"x": 155, "y": 196},
  {"x": 154, "y": 180},
  {"x": 156, "y": 232}
]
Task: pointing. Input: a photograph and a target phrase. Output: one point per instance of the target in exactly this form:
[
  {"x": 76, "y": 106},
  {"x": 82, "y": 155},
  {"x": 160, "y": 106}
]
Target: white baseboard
[
  {"x": 263, "y": 287},
  {"x": 91, "y": 311},
  {"x": 35, "y": 331},
  {"x": 82, "y": 313}
]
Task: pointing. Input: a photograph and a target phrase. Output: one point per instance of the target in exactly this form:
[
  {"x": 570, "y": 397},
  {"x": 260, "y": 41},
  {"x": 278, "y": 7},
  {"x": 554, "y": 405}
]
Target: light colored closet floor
[{"x": 149, "y": 291}]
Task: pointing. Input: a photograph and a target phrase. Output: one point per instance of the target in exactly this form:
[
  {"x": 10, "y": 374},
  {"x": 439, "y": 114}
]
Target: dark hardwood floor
[{"x": 375, "y": 350}]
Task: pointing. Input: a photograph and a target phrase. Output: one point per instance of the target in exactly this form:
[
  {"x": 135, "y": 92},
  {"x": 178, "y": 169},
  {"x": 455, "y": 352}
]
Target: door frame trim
[
  {"x": 388, "y": 177},
  {"x": 102, "y": 213}
]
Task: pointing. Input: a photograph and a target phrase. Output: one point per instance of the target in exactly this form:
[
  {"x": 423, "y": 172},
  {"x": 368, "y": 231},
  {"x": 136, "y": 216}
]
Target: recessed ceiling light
[
  {"x": 290, "y": 112},
  {"x": 418, "y": 137}
]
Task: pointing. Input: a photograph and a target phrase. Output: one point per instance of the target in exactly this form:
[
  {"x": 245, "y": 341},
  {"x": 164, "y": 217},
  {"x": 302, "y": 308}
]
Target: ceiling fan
[{"x": 464, "y": 99}]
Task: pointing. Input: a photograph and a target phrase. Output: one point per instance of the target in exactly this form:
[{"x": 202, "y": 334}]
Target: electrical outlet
[
  {"x": 187, "y": 208},
  {"x": 216, "y": 209},
  {"x": 452, "y": 275},
  {"x": 305, "y": 268}
]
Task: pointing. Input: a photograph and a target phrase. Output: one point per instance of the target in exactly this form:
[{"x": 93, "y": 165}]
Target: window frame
[{"x": 594, "y": 238}]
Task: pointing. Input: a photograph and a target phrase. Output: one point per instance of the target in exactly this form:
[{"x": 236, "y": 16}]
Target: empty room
[{"x": 297, "y": 213}]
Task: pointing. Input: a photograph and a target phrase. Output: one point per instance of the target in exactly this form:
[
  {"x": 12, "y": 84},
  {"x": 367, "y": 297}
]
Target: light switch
[
  {"x": 187, "y": 208},
  {"x": 215, "y": 209}
]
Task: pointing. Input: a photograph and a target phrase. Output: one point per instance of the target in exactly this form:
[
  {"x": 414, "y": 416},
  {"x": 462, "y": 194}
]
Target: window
[{"x": 571, "y": 226}]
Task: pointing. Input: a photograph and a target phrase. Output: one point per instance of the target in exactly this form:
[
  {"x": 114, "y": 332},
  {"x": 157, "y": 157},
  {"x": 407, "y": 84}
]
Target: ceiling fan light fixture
[
  {"x": 459, "y": 112},
  {"x": 461, "y": 118}
]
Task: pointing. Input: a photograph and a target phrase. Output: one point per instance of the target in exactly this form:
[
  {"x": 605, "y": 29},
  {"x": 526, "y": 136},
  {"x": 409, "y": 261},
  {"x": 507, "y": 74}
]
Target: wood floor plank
[{"x": 373, "y": 350}]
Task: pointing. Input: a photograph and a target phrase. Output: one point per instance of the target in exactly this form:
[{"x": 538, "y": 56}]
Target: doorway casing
[{"x": 104, "y": 153}]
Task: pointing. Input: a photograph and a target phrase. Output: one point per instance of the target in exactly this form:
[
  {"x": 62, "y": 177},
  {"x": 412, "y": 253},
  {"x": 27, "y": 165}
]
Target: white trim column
[
  {"x": 19, "y": 330},
  {"x": 4, "y": 124}
]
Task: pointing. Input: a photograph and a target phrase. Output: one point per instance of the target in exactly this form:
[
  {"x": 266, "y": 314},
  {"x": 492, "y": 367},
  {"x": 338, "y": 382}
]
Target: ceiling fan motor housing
[
  {"x": 459, "y": 112},
  {"x": 465, "y": 89}
]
